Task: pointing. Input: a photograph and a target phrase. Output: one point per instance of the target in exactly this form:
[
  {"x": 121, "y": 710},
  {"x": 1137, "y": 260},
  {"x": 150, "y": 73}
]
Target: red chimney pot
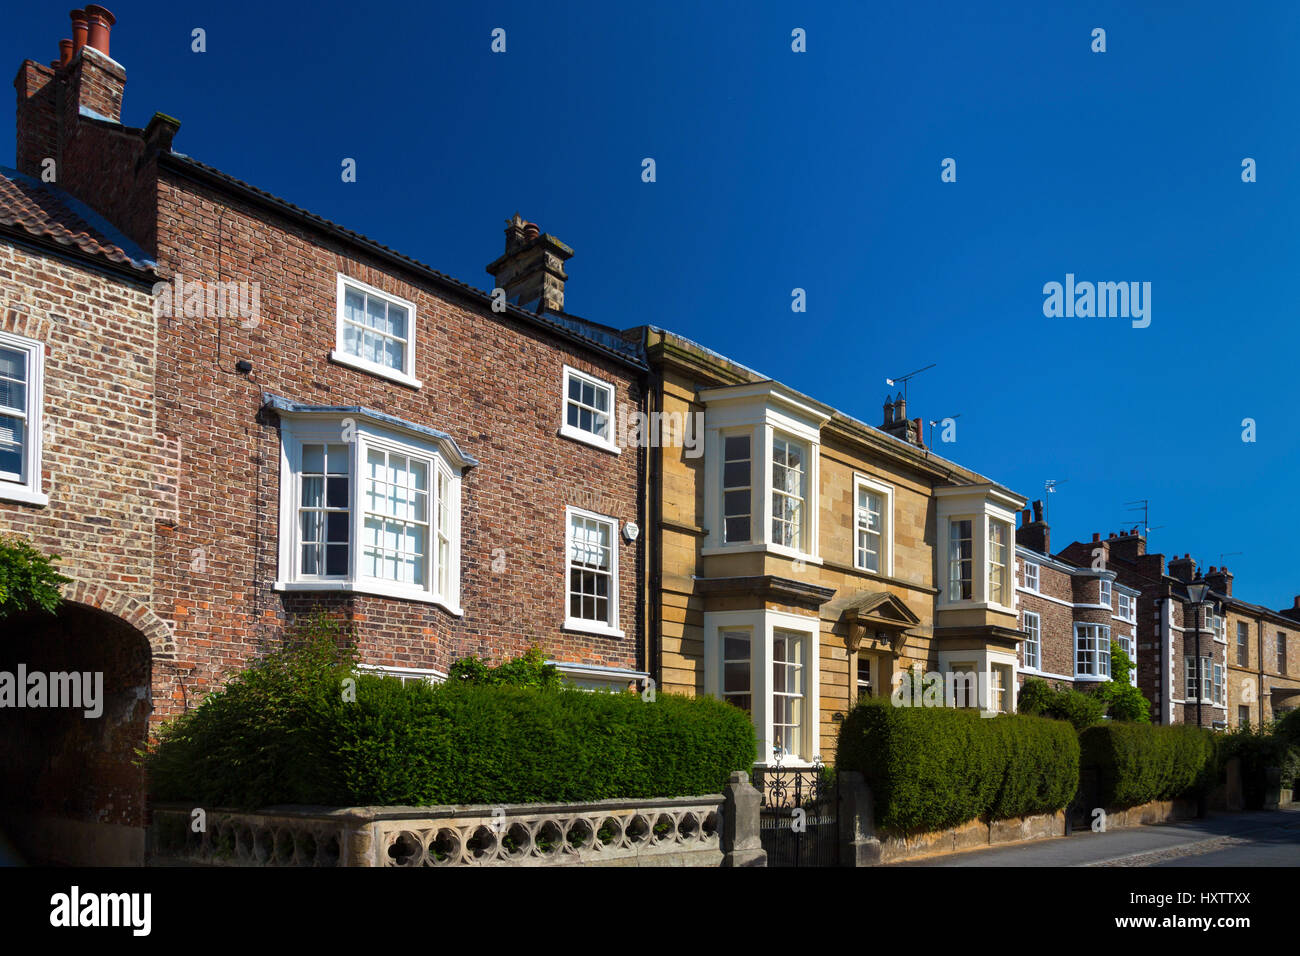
[
  {"x": 531, "y": 231},
  {"x": 80, "y": 26},
  {"x": 65, "y": 52},
  {"x": 101, "y": 24}
]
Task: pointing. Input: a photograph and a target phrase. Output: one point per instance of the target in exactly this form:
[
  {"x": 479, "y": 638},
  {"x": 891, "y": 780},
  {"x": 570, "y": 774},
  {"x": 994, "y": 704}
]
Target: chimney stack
[
  {"x": 532, "y": 269},
  {"x": 898, "y": 424},
  {"x": 1184, "y": 568},
  {"x": 1034, "y": 535},
  {"x": 1220, "y": 579}
]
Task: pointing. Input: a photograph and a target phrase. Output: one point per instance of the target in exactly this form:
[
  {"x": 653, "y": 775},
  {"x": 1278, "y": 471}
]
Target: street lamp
[{"x": 1197, "y": 594}]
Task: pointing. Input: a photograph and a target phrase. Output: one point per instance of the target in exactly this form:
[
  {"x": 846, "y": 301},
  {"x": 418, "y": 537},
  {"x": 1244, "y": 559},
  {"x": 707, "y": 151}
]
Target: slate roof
[{"x": 44, "y": 213}]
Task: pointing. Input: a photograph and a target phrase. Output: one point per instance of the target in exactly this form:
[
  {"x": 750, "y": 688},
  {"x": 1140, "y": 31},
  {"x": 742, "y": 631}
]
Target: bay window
[
  {"x": 22, "y": 364},
  {"x": 764, "y": 662},
  {"x": 1092, "y": 651},
  {"x": 368, "y": 504},
  {"x": 762, "y": 449},
  {"x": 1200, "y": 681}
]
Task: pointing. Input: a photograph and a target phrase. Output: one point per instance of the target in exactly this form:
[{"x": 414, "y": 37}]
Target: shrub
[
  {"x": 1037, "y": 698},
  {"x": 285, "y": 731},
  {"x": 1288, "y": 727},
  {"x": 28, "y": 578},
  {"x": 1121, "y": 699},
  {"x": 528, "y": 670},
  {"x": 1259, "y": 749},
  {"x": 1137, "y": 763},
  {"x": 935, "y": 767}
]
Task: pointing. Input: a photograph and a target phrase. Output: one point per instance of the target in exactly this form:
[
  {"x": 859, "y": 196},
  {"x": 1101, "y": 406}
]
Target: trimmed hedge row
[
  {"x": 1137, "y": 763},
  {"x": 289, "y": 732},
  {"x": 930, "y": 768}
]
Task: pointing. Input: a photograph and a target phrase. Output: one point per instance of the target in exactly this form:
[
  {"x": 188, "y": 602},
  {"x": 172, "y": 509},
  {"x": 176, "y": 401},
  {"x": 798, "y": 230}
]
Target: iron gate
[{"x": 799, "y": 822}]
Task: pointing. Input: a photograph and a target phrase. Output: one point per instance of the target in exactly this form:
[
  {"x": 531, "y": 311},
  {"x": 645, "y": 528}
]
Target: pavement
[{"x": 1264, "y": 838}]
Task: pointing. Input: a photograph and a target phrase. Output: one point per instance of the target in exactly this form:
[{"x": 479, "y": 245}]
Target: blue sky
[{"x": 821, "y": 171}]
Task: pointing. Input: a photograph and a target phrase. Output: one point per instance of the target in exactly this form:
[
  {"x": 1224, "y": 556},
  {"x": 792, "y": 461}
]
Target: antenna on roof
[
  {"x": 1143, "y": 505},
  {"x": 903, "y": 378},
  {"x": 935, "y": 421}
]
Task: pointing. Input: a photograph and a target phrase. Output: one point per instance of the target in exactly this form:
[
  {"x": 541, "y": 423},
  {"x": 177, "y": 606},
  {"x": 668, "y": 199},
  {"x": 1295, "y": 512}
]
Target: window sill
[
  {"x": 22, "y": 494},
  {"x": 373, "y": 588},
  {"x": 751, "y": 548},
  {"x": 591, "y": 627},
  {"x": 361, "y": 365},
  {"x": 587, "y": 438},
  {"x": 1090, "y": 678}
]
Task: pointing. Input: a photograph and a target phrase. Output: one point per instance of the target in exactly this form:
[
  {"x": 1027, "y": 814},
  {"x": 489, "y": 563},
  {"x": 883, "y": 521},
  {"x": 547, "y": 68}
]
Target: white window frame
[
  {"x": 885, "y": 554},
  {"x": 724, "y": 488},
  {"x": 954, "y": 559},
  {"x": 404, "y": 375},
  {"x": 1243, "y": 631},
  {"x": 1101, "y": 672},
  {"x": 1007, "y": 583},
  {"x": 1219, "y": 686},
  {"x": 1106, "y": 594},
  {"x": 981, "y": 505},
  {"x": 762, "y": 626},
  {"x": 1036, "y": 583},
  {"x": 308, "y": 429},
  {"x": 1036, "y": 641},
  {"x": 765, "y": 411},
  {"x": 1206, "y": 689},
  {"x": 609, "y": 628},
  {"x": 1124, "y": 606},
  {"x": 25, "y": 487},
  {"x": 407, "y": 675},
  {"x": 805, "y": 498},
  {"x": 608, "y": 443}
]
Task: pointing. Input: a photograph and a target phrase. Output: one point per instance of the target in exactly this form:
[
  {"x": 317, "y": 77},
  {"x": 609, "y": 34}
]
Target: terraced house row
[{"x": 225, "y": 412}]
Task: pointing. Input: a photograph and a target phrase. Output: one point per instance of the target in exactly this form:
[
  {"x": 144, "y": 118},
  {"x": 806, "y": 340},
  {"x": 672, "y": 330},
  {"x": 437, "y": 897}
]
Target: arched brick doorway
[{"x": 71, "y": 792}]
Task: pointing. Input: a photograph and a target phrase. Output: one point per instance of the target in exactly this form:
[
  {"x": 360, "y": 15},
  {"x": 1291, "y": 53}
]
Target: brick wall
[
  {"x": 492, "y": 382},
  {"x": 103, "y": 459}
]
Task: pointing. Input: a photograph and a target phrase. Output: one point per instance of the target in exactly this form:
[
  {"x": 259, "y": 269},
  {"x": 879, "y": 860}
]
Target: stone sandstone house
[
  {"x": 803, "y": 558},
  {"x": 298, "y": 418}
]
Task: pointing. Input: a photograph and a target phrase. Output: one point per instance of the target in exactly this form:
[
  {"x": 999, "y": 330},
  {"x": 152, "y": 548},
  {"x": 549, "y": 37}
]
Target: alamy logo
[
  {"x": 199, "y": 299},
  {"x": 74, "y": 908},
  {"x": 1102, "y": 300},
  {"x": 37, "y": 689}
]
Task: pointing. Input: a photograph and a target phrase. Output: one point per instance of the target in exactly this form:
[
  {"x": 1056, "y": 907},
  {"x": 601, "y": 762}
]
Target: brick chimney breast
[{"x": 532, "y": 269}]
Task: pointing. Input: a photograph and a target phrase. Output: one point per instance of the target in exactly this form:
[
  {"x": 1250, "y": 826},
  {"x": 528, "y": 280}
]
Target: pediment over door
[{"x": 880, "y": 617}]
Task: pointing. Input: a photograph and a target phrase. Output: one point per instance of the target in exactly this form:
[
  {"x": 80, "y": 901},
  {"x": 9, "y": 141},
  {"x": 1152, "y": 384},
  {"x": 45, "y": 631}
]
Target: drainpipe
[
  {"x": 653, "y": 532},
  {"x": 1259, "y": 697}
]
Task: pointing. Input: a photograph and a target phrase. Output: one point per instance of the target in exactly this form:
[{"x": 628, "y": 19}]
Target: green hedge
[
  {"x": 1137, "y": 763},
  {"x": 1259, "y": 749},
  {"x": 286, "y": 731},
  {"x": 930, "y": 768}
]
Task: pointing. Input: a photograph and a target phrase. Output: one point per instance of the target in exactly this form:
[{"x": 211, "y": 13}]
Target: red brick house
[
  {"x": 1182, "y": 645},
  {"x": 331, "y": 424},
  {"x": 1070, "y": 611}
]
